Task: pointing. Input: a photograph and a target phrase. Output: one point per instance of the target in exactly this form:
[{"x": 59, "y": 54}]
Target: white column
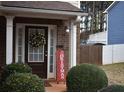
[
  {"x": 73, "y": 48},
  {"x": 9, "y": 39}
]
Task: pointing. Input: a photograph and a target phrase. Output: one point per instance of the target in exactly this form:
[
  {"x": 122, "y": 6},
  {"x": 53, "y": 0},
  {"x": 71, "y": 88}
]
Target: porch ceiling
[{"x": 42, "y": 13}]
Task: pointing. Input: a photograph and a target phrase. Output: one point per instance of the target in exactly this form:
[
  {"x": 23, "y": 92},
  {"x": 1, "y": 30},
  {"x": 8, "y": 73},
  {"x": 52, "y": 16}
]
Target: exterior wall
[
  {"x": 62, "y": 35},
  {"x": 97, "y": 38},
  {"x": 63, "y": 39},
  {"x": 116, "y": 24},
  {"x": 113, "y": 54},
  {"x": 33, "y": 21},
  {"x": 2, "y": 41}
]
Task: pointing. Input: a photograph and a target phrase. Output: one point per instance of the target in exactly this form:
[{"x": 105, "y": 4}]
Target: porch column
[
  {"x": 72, "y": 49},
  {"x": 9, "y": 39}
]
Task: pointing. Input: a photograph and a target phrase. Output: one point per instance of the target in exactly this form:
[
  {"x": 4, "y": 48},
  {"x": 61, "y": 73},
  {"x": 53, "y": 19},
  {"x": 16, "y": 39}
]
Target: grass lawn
[{"x": 115, "y": 73}]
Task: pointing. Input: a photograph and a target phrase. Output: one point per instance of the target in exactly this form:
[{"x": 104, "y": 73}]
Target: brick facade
[{"x": 63, "y": 39}]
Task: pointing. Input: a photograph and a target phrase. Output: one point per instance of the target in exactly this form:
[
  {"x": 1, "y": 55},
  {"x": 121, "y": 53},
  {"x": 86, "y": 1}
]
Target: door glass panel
[
  {"x": 51, "y": 68},
  {"x": 35, "y": 50},
  {"x": 51, "y": 63},
  {"x": 30, "y": 49},
  {"x": 41, "y": 49},
  {"x": 20, "y": 45},
  {"x": 36, "y": 57},
  {"x": 51, "y": 43},
  {"x": 19, "y": 50},
  {"x": 31, "y": 57},
  {"x": 35, "y": 54},
  {"x": 40, "y": 56},
  {"x": 19, "y": 58},
  {"x": 51, "y": 50},
  {"x": 51, "y": 60}
]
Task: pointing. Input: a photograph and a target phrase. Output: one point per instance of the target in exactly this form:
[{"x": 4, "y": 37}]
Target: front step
[
  {"x": 51, "y": 80},
  {"x": 47, "y": 82}
]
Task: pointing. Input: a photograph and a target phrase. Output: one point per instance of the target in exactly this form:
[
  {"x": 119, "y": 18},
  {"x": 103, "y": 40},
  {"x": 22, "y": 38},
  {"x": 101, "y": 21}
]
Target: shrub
[
  {"x": 13, "y": 68},
  {"x": 23, "y": 82},
  {"x": 113, "y": 88},
  {"x": 86, "y": 78}
]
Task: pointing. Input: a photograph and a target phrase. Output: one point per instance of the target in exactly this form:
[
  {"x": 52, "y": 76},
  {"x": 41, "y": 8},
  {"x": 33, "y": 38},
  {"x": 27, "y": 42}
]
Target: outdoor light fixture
[{"x": 67, "y": 29}]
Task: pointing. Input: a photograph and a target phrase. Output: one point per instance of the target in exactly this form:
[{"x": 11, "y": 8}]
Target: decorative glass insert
[
  {"x": 20, "y": 45},
  {"x": 35, "y": 54},
  {"x": 51, "y": 50}
]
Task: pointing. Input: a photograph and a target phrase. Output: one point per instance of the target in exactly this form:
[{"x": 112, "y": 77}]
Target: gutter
[{"x": 30, "y": 10}]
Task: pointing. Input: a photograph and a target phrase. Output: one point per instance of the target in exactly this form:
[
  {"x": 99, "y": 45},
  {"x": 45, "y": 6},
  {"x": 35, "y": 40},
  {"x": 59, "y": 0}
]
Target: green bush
[
  {"x": 23, "y": 82},
  {"x": 13, "y": 68},
  {"x": 86, "y": 78},
  {"x": 113, "y": 88}
]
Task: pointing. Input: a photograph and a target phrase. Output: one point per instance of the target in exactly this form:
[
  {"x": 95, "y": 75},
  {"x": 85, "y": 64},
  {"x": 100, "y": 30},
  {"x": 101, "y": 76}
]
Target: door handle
[{"x": 45, "y": 53}]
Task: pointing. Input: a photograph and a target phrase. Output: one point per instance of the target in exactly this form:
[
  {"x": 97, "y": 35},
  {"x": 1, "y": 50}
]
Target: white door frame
[{"x": 50, "y": 28}]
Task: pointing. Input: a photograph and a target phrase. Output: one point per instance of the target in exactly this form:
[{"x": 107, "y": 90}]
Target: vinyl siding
[{"x": 116, "y": 24}]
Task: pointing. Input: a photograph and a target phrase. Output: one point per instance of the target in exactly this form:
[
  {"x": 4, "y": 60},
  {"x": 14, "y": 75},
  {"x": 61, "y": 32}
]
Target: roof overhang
[{"x": 31, "y": 10}]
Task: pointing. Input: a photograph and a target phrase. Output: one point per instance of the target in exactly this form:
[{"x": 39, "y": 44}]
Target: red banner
[{"x": 60, "y": 76}]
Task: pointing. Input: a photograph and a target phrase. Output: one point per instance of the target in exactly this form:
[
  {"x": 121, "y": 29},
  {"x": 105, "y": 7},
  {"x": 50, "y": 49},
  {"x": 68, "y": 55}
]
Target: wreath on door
[{"x": 37, "y": 40}]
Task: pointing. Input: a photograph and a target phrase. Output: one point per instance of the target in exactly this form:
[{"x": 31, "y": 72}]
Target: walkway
[{"x": 61, "y": 87}]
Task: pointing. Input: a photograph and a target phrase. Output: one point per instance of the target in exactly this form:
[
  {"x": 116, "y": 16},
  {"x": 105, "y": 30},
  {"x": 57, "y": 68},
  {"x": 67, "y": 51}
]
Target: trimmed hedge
[
  {"x": 113, "y": 88},
  {"x": 23, "y": 82},
  {"x": 86, "y": 78},
  {"x": 13, "y": 68}
]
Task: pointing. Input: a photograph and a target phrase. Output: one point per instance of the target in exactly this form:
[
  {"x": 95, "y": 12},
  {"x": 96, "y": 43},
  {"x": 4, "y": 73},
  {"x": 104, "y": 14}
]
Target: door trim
[
  {"x": 53, "y": 27},
  {"x": 22, "y": 25}
]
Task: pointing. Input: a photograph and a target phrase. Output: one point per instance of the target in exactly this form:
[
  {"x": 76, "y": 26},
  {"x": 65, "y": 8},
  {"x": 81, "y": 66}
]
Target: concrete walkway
[{"x": 61, "y": 87}]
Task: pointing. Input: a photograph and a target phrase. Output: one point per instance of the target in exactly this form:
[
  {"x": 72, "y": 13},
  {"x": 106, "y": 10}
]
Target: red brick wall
[{"x": 63, "y": 39}]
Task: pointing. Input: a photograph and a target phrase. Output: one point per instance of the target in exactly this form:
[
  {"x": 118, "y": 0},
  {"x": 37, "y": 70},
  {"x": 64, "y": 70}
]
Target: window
[
  {"x": 51, "y": 50},
  {"x": 20, "y": 45},
  {"x": 35, "y": 54}
]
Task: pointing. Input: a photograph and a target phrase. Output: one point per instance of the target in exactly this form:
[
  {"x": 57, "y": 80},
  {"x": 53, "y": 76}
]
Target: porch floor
[{"x": 61, "y": 87}]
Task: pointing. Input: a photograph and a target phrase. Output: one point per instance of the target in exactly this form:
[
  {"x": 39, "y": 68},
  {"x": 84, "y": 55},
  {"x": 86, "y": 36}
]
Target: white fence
[{"x": 113, "y": 54}]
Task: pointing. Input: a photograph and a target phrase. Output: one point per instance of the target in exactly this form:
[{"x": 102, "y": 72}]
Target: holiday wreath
[{"x": 37, "y": 39}]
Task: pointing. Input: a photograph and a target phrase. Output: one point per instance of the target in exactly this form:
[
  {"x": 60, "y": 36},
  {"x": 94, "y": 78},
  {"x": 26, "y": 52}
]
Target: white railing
[{"x": 100, "y": 37}]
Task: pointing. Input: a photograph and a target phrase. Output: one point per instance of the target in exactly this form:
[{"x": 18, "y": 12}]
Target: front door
[{"x": 36, "y": 57}]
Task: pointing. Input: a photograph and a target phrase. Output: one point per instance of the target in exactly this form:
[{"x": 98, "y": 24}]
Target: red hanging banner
[{"x": 60, "y": 76}]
